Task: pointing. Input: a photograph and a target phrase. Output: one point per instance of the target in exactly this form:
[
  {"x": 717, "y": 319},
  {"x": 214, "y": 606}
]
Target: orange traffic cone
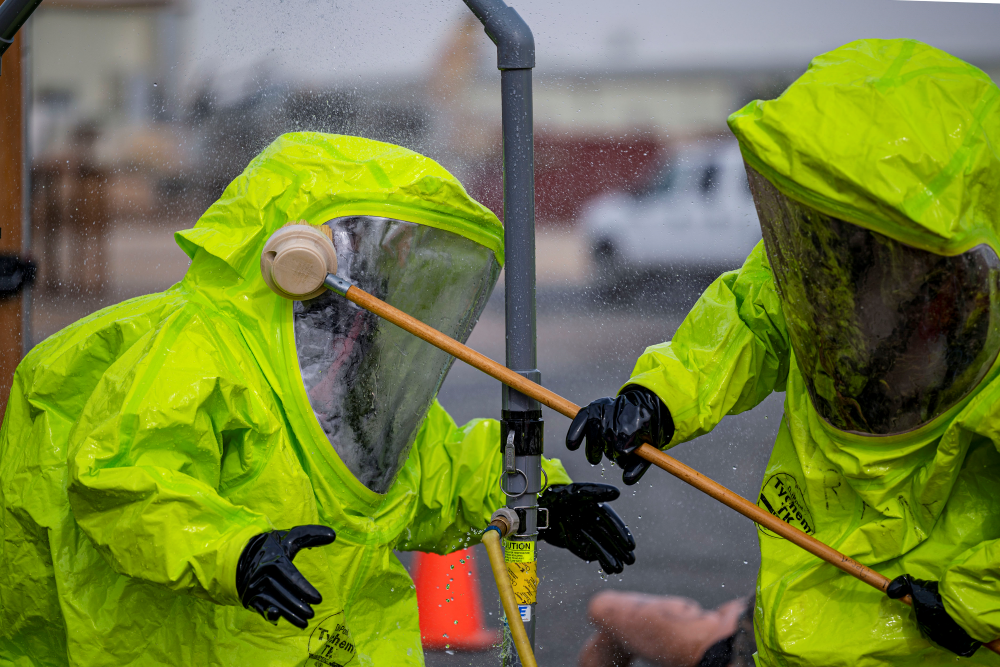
[{"x": 451, "y": 611}]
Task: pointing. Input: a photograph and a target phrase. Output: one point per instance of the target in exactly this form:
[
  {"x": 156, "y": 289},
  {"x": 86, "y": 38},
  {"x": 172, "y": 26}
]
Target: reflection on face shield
[
  {"x": 370, "y": 383},
  {"x": 887, "y": 336}
]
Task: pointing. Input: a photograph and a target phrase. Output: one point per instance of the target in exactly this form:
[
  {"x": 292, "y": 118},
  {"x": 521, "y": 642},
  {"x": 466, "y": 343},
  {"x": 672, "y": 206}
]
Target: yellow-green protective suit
[
  {"x": 144, "y": 445},
  {"x": 902, "y": 139}
]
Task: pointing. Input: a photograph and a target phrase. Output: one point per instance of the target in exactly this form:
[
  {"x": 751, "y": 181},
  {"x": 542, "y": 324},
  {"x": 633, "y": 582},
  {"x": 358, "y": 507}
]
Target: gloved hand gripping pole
[{"x": 307, "y": 287}]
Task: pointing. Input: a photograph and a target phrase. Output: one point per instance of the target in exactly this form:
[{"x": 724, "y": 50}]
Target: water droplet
[
  {"x": 447, "y": 586},
  {"x": 745, "y": 563}
]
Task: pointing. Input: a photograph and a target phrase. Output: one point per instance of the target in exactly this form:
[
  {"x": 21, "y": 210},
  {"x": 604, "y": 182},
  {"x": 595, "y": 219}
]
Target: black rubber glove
[
  {"x": 615, "y": 427},
  {"x": 932, "y": 618},
  {"x": 581, "y": 521},
  {"x": 268, "y": 583}
]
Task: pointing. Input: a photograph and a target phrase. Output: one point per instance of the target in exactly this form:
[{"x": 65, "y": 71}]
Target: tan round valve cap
[{"x": 296, "y": 260}]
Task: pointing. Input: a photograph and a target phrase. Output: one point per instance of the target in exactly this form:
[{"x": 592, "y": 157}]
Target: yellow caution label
[
  {"x": 518, "y": 552},
  {"x": 524, "y": 581}
]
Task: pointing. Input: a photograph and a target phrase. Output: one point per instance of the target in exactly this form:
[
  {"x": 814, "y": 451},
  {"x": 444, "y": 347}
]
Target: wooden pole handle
[
  {"x": 462, "y": 352},
  {"x": 762, "y": 517},
  {"x": 647, "y": 452}
]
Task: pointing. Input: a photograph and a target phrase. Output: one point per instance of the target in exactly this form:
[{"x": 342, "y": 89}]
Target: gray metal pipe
[
  {"x": 505, "y": 28},
  {"x": 519, "y": 228},
  {"x": 521, "y": 424}
]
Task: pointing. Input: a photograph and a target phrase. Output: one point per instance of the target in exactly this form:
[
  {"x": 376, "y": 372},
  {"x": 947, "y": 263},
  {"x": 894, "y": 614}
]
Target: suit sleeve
[
  {"x": 147, "y": 456},
  {"x": 459, "y": 470},
  {"x": 730, "y": 352}
]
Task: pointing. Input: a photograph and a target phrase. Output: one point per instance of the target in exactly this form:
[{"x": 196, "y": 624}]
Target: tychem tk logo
[
  {"x": 782, "y": 497},
  {"x": 330, "y": 644}
]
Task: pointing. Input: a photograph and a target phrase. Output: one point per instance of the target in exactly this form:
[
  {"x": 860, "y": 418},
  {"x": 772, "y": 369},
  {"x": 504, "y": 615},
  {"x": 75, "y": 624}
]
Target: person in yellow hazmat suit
[
  {"x": 873, "y": 302},
  {"x": 193, "y": 477}
]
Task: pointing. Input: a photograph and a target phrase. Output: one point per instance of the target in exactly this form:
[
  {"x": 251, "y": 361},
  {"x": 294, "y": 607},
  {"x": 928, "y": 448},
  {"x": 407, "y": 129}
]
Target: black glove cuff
[{"x": 933, "y": 619}]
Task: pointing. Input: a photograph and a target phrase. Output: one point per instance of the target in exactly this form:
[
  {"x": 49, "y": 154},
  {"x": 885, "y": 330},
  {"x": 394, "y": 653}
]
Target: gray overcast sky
[{"x": 331, "y": 40}]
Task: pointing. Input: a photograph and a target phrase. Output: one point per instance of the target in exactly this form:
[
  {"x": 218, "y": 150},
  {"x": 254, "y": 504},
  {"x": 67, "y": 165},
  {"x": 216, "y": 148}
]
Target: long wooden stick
[{"x": 648, "y": 452}]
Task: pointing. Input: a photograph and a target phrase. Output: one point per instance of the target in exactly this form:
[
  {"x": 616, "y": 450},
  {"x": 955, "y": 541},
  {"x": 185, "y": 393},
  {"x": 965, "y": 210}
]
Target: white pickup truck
[{"x": 696, "y": 219}]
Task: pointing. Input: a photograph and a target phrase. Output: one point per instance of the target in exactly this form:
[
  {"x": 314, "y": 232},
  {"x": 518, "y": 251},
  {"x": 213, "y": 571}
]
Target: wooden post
[{"x": 11, "y": 184}]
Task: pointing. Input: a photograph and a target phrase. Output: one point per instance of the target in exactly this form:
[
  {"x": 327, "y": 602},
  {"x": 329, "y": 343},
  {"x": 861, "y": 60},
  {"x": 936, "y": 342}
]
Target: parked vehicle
[{"x": 695, "y": 219}]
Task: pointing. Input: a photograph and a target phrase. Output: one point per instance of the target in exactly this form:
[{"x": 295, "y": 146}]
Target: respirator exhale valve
[{"x": 297, "y": 259}]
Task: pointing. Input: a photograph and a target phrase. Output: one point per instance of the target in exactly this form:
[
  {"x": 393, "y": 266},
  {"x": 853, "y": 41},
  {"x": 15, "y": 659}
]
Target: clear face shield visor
[
  {"x": 370, "y": 383},
  {"x": 887, "y": 336}
]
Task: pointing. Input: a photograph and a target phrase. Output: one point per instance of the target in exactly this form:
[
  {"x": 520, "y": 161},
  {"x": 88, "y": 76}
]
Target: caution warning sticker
[
  {"x": 782, "y": 497},
  {"x": 524, "y": 581},
  {"x": 516, "y": 551}
]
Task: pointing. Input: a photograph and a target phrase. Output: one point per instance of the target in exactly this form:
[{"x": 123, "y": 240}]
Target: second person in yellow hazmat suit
[
  {"x": 873, "y": 301},
  {"x": 168, "y": 461}
]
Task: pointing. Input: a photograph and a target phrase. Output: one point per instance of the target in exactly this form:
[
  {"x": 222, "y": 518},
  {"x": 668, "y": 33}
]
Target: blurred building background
[
  {"x": 110, "y": 151},
  {"x": 143, "y": 110}
]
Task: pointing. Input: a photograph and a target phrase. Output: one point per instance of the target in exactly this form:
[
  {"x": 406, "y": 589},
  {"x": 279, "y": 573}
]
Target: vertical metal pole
[
  {"x": 521, "y": 414},
  {"x": 522, "y": 437},
  {"x": 519, "y": 227}
]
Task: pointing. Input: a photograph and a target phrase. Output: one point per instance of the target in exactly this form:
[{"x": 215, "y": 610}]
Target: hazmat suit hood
[
  {"x": 881, "y": 233},
  {"x": 884, "y": 147},
  {"x": 923, "y": 171},
  {"x": 889, "y": 144},
  {"x": 145, "y": 445},
  {"x": 406, "y": 231}
]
